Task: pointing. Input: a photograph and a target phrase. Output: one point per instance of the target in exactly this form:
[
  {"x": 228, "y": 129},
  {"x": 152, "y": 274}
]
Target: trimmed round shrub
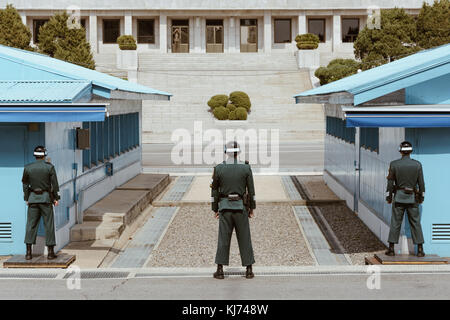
[
  {"x": 232, "y": 115},
  {"x": 219, "y": 100},
  {"x": 337, "y": 69},
  {"x": 307, "y": 41},
  {"x": 126, "y": 42},
  {"x": 240, "y": 100},
  {"x": 221, "y": 113},
  {"x": 241, "y": 113},
  {"x": 232, "y": 107}
]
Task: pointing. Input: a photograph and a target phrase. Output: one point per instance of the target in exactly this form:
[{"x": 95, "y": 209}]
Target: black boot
[
  {"x": 219, "y": 273},
  {"x": 420, "y": 252},
  {"x": 390, "y": 251},
  {"x": 249, "y": 273},
  {"x": 29, "y": 255},
  {"x": 51, "y": 254}
]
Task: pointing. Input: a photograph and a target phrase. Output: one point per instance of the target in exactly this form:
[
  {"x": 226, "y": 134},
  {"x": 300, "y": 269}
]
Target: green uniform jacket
[
  {"x": 405, "y": 172},
  {"x": 231, "y": 177},
  {"x": 40, "y": 175}
]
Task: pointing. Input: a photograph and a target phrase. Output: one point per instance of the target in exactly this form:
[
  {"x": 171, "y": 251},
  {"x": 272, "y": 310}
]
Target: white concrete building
[{"x": 204, "y": 26}]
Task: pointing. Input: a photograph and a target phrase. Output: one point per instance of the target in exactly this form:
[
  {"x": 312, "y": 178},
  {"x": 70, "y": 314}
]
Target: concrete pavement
[{"x": 349, "y": 282}]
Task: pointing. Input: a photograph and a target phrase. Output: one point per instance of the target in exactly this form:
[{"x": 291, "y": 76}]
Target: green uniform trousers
[
  {"x": 398, "y": 210},
  {"x": 35, "y": 211},
  {"x": 229, "y": 219}
]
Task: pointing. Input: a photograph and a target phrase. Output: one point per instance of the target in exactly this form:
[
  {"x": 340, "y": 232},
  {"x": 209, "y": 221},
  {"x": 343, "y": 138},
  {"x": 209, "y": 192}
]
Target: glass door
[
  {"x": 249, "y": 35},
  {"x": 180, "y": 36},
  {"x": 214, "y": 36}
]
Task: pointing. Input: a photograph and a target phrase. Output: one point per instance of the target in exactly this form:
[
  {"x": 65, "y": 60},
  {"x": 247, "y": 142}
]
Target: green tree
[
  {"x": 433, "y": 24},
  {"x": 337, "y": 69},
  {"x": 396, "y": 38},
  {"x": 13, "y": 32},
  {"x": 65, "y": 41}
]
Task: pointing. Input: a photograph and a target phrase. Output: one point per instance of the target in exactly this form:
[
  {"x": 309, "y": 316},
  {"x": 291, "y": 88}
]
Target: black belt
[{"x": 39, "y": 191}]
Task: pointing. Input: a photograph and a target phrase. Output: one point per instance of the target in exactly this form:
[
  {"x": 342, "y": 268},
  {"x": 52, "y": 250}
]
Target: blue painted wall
[
  {"x": 17, "y": 143},
  {"x": 432, "y": 149}
]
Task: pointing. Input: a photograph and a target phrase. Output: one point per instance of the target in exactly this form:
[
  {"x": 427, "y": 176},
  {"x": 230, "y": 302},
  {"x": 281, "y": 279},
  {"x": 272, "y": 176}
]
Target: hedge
[
  {"x": 231, "y": 106},
  {"x": 241, "y": 113},
  {"x": 126, "y": 42},
  {"x": 337, "y": 69},
  {"x": 240, "y": 100},
  {"x": 221, "y": 113},
  {"x": 219, "y": 100},
  {"x": 307, "y": 41}
]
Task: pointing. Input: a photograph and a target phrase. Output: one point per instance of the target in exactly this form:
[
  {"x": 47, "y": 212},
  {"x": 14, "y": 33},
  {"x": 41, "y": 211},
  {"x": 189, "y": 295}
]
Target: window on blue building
[
  {"x": 369, "y": 139},
  {"x": 116, "y": 135},
  {"x": 336, "y": 127}
]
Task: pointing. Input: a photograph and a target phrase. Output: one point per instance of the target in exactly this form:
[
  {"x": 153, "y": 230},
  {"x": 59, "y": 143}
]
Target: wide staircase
[{"x": 271, "y": 81}]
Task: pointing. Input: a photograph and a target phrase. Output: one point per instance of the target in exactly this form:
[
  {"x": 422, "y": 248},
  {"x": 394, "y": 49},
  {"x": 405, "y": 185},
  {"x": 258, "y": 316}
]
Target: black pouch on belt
[
  {"x": 38, "y": 191},
  {"x": 234, "y": 197}
]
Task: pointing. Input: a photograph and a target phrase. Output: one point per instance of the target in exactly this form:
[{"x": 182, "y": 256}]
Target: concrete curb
[
  {"x": 160, "y": 203},
  {"x": 260, "y": 271}
]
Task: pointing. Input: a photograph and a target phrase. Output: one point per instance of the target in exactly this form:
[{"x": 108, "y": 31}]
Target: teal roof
[
  {"x": 399, "y": 74},
  {"x": 43, "y": 91},
  {"x": 73, "y": 71}
]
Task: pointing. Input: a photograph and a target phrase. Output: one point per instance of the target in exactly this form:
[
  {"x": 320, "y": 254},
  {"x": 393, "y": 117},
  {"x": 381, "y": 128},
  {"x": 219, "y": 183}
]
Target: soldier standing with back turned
[
  {"x": 229, "y": 183},
  {"x": 40, "y": 188},
  {"x": 405, "y": 181}
]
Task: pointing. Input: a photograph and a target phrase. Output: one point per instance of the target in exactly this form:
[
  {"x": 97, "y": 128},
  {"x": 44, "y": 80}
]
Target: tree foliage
[
  {"x": 337, "y": 69},
  {"x": 13, "y": 32},
  {"x": 396, "y": 38},
  {"x": 60, "y": 41},
  {"x": 433, "y": 24}
]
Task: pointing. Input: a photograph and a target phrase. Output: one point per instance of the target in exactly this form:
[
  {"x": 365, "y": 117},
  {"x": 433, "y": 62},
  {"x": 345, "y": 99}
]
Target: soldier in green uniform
[
  {"x": 405, "y": 181},
  {"x": 40, "y": 188},
  {"x": 230, "y": 181}
]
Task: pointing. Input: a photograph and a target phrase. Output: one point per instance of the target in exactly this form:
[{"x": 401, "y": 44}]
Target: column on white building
[
  {"x": 232, "y": 47},
  {"x": 128, "y": 18},
  {"x": 301, "y": 25},
  {"x": 163, "y": 33},
  {"x": 267, "y": 32},
  {"x": 23, "y": 16},
  {"x": 336, "y": 32},
  {"x": 197, "y": 34},
  {"x": 93, "y": 34}
]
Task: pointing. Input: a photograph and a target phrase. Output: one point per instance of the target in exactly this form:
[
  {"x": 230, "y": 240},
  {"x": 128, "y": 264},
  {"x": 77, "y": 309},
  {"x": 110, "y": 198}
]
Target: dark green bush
[
  {"x": 221, "y": 113},
  {"x": 219, "y": 100},
  {"x": 126, "y": 42},
  {"x": 232, "y": 115},
  {"x": 307, "y": 41},
  {"x": 337, "y": 69},
  {"x": 241, "y": 113},
  {"x": 240, "y": 100},
  {"x": 231, "y": 106}
]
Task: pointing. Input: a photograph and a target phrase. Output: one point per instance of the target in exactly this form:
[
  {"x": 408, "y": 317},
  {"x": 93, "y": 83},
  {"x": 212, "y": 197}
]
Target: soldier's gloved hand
[
  {"x": 421, "y": 199},
  {"x": 389, "y": 199}
]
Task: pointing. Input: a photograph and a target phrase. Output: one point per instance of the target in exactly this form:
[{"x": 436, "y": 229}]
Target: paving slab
[
  {"x": 267, "y": 188},
  {"x": 90, "y": 254},
  {"x": 145, "y": 182}
]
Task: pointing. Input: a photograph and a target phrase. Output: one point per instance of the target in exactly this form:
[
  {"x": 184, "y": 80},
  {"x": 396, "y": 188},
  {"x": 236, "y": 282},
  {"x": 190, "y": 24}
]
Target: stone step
[
  {"x": 107, "y": 218},
  {"x": 96, "y": 230}
]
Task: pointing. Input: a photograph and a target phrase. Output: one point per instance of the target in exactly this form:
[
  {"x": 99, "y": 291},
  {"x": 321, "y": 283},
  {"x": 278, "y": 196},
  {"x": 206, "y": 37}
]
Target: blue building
[
  {"x": 367, "y": 116},
  {"x": 42, "y": 102}
]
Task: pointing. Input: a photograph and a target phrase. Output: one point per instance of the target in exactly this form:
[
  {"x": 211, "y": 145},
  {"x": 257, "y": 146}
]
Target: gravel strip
[
  {"x": 191, "y": 239},
  {"x": 316, "y": 188},
  {"x": 355, "y": 237}
]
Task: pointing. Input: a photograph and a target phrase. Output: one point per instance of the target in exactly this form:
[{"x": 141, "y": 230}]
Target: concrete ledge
[{"x": 161, "y": 203}]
